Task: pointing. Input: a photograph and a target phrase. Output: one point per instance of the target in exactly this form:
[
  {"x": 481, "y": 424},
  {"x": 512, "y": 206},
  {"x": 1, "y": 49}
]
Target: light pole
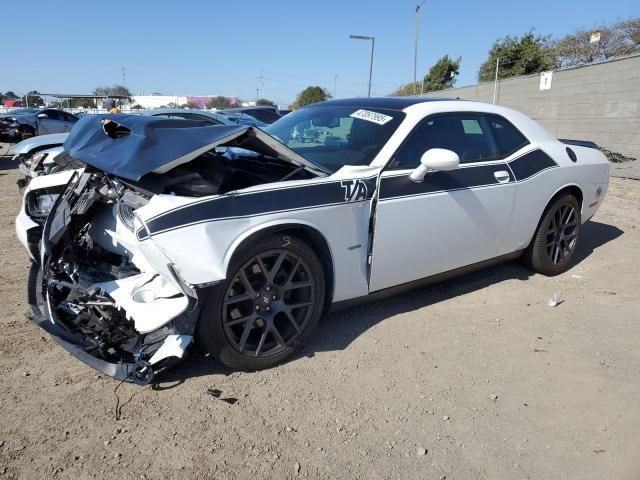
[
  {"x": 373, "y": 43},
  {"x": 124, "y": 74},
  {"x": 495, "y": 82},
  {"x": 415, "y": 47},
  {"x": 335, "y": 85}
]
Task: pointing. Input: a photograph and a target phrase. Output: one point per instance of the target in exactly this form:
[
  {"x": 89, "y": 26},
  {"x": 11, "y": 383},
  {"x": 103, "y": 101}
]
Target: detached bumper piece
[{"x": 167, "y": 351}]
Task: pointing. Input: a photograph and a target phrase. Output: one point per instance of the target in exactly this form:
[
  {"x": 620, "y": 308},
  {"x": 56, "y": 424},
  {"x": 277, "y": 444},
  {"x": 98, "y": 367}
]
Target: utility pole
[
  {"x": 495, "y": 82},
  {"x": 124, "y": 74},
  {"x": 415, "y": 47},
  {"x": 373, "y": 43},
  {"x": 335, "y": 86},
  {"x": 261, "y": 88}
]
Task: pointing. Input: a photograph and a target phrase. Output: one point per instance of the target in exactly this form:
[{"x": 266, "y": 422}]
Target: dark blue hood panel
[{"x": 150, "y": 144}]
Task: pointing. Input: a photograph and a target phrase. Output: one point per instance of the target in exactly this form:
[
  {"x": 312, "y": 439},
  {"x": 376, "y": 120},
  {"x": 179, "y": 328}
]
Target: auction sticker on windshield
[{"x": 370, "y": 116}]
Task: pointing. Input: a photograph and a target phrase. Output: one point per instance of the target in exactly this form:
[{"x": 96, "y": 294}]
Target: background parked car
[
  {"x": 24, "y": 123},
  {"x": 243, "y": 119},
  {"x": 188, "y": 114},
  {"x": 264, "y": 114},
  {"x": 26, "y": 151}
]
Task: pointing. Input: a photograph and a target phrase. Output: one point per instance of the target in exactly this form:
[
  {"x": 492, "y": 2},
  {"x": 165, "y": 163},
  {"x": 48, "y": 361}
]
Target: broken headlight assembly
[
  {"x": 126, "y": 215},
  {"x": 39, "y": 205},
  {"x": 37, "y": 160},
  {"x": 127, "y": 204}
]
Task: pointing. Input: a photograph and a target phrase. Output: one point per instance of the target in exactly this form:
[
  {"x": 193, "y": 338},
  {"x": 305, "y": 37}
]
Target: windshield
[{"x": 333, "y": 136}]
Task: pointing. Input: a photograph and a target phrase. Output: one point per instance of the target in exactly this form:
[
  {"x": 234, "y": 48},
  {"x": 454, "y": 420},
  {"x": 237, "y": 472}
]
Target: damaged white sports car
[{"x": 167, "y": 230}]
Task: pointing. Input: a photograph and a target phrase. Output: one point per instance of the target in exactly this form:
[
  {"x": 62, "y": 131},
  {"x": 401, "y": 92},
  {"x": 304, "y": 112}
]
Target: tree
[
  {"x": 82, "y": 103},
  {"x": 137, "y": 107},
  {"x": 518, "y": 56},
  {"x": 440, "y": 76},
  {"x": 219, "y": 103},
  {"x": 310, "y": 95},
  {"x": 34, "y": 99},
  {"x": 621, "y": 38},
  {"x": 190, "y": 105},
  {"x": 9, "y": 95},
  {"x": 264, "y": 102},
  {"x": 114, "y": 91}
]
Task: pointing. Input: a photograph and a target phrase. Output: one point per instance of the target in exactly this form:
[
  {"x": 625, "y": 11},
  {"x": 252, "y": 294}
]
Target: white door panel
[{"x": 450, "y": 220}]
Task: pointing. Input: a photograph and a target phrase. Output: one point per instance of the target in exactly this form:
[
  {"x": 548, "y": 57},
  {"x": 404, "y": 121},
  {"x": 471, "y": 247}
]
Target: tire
[
  {"x": 267, "y": 308},
  {"x": 25, "y": 132},
  {"x": 552, "y": 248}
]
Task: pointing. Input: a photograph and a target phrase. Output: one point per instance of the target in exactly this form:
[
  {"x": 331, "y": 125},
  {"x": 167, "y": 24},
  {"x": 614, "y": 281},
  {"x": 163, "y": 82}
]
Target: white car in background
[{"x": 240, "y": 237}]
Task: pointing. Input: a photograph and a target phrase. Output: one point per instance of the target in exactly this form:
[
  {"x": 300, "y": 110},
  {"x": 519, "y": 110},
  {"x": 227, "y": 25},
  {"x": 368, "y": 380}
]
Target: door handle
[{"x": 502, "y": 176}]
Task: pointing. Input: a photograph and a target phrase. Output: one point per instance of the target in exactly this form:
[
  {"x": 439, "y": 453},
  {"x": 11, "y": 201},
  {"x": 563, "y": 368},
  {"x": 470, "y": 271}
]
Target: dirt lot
[{"x": 476, "y": 378}]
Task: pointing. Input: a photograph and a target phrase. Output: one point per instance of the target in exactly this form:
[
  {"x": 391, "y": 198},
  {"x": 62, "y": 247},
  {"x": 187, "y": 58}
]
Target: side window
[
  {"x": 467, "y": 134},
  {"x": 265, "y": 115},
  {"x": 508, "y": 138},
  {"x": 53, "y": 114},
  {"x": 202, "y": 118},
  {"x": 70, "y": 118}
]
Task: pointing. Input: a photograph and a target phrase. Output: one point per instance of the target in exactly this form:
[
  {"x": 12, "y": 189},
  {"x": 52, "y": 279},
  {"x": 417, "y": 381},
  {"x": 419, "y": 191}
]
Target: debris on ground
[
  {"x": 615, "y": 157},
  {"x": 214, "y": 392},
  {"x": 555, "y": 300}
]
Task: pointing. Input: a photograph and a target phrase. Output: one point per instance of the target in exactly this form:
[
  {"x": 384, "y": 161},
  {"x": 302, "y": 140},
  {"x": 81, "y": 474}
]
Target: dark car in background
[
  {"x": 27, "y": 122},
  {"x": 216, "y": 118},
  {"x": 265, "y": 114}
]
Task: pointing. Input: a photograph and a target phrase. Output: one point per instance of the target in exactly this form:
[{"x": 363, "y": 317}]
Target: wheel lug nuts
[
  {"x": 258, "y": 295},
  {"x": 268, "y": 309},
  {"x": 268, "y": 289},
  {"x": 258, "y": 307},
  {"x": 274, "y": 297}
]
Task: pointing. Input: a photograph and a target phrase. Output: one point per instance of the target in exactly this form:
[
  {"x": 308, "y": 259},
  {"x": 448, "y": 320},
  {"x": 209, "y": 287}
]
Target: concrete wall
[{"x": 599, "y": 102}]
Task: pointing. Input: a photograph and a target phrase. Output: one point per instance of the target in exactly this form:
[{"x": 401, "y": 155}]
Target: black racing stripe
[
  {"x": 531, "y": 164},
  {"x": 141, "y": 234},
  {"x": 258, "y": 203},
  {"x": 461, "y": 178}
]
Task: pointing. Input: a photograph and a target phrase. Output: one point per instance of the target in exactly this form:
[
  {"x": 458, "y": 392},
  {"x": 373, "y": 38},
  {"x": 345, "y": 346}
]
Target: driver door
[
  {"x": 52, "y": 123},
  {"x": 452, "y": 218}
]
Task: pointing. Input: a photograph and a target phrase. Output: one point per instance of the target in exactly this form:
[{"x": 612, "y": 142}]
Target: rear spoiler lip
[{"x": 580, "y": 143}]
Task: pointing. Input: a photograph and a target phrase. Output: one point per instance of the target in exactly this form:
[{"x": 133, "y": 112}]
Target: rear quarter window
[{"x": 508, "y": 137}]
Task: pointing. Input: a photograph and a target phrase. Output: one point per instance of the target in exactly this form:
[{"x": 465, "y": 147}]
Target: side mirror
[
  {"x": 43, "y": 115},
  {"x": 435, "y": 159}
]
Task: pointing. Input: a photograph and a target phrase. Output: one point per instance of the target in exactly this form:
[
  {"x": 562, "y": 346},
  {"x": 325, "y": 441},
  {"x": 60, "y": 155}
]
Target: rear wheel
[
  {"x": 555, "y": 241},
  {"x": 267, "y": 308}
]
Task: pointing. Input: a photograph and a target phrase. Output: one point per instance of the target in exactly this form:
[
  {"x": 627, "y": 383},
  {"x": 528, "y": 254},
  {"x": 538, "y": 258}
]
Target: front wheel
[
  {"x": 555, "y": 241},
  {"x": 267, "y": 308}
]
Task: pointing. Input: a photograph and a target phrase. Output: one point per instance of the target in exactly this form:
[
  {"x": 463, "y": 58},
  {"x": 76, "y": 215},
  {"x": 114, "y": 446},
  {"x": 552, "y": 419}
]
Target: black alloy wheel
[
  {"x": 267, "y": 308},
  {"x": 556, "y": 239},
  {"x": 269, "y": 303}
]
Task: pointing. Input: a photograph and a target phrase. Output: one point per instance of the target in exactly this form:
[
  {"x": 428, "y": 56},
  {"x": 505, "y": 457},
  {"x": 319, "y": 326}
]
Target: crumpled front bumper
[{"x": 142, "y": 372}]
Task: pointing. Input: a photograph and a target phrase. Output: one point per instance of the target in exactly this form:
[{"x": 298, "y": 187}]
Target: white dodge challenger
[{"x": 162, "y": 231}]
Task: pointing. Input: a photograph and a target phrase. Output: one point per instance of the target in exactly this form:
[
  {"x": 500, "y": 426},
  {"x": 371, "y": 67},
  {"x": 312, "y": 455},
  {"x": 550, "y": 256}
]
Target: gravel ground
[{"x": 476, "y": 378}]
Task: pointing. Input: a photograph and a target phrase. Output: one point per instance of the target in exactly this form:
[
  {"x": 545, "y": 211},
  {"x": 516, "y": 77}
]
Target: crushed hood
[{"x": 151, "y": 144}]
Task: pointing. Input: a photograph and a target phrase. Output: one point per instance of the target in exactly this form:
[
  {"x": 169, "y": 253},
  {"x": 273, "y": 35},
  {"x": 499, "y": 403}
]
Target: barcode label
[{"x": 369, "y": 116}]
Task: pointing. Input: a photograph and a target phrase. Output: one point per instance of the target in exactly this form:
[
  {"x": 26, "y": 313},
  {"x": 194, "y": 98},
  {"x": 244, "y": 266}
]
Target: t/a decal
[{"x": 354, "y": 190}]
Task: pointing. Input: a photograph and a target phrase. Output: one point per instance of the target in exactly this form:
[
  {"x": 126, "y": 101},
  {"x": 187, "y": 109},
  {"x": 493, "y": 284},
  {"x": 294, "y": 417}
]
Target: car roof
[
  {"x": 255, "y": 107},
  {"x": 391, "y": 103}
]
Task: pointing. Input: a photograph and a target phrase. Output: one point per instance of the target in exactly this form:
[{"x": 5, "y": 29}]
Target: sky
[{"x": 200, "y": 47}]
